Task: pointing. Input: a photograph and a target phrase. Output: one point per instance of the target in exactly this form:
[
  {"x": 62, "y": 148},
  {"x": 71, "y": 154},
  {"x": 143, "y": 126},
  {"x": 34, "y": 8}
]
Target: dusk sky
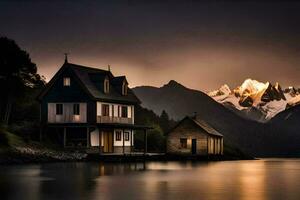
[{"x": 201, "y": 45}]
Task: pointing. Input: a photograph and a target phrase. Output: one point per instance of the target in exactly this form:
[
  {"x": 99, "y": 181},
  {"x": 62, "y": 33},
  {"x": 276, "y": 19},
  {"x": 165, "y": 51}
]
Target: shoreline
[{"x": 17, "y": 158}]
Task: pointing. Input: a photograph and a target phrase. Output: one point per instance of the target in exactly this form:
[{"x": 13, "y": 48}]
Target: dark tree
[
  {"x": 164, "y": 122},
  {"x": 17, "y": 74}
]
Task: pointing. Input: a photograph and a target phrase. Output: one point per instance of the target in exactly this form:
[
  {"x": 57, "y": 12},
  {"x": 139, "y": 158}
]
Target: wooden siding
[
  {"x": 67, "y": 116},
  {"x": 68, "y": 94},
  {"x": 94, "y": 139},
  {"x": 206, "y": 144},
  {"x": 115, "y": 111}
]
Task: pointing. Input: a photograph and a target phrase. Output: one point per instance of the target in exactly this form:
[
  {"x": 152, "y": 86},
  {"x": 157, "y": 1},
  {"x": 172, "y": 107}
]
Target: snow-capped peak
[
  {"x": 251, "y": 87},
  {"x": 223, "y": 90},
  {"x": 265, "y": 97},
  {"x": 251, "y": 90}
]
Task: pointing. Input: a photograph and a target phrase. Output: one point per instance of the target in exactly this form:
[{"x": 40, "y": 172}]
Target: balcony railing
[{"x": 108, "y": 119}]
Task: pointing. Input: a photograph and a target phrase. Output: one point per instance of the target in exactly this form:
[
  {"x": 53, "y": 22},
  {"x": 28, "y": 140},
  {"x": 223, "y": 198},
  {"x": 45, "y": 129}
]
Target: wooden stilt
[
  {"x": 123, "y": 141},
  {"x": 100, "y": 141},
  {"x": 131, "y": 138},
  {"x": 41, "y": 133},
  {"x": 65, "y": 136},
  {"x": 87, "y": 137},
  {"x": 145, "y": 142},
  {"x": 113, "y": 141}
]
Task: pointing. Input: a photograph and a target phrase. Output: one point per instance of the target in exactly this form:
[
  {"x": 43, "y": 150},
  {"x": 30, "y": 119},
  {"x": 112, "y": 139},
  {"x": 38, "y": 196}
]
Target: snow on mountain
[
  {"x": 224, "y": 95},
  {"x": 266, "y": 98},
  {"x": 223, "y": 91},
  {"x": 252, "y": 88}
]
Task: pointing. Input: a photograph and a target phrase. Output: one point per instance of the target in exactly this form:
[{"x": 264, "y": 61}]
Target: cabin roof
[
  {"x": 92, "y": 79},
  {"x": 201, "y": 124}
]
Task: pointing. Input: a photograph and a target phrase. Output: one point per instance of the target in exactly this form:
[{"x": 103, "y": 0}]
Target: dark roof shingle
[{"x": 92, "y": 79}]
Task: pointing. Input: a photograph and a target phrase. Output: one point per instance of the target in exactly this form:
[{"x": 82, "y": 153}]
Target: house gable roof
[
  {"x": 91, "y": 79},
  {"x": 201, "y": 124}
]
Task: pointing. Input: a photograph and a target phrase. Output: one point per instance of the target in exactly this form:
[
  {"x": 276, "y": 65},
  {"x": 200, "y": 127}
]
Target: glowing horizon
[{"x": 201, "y": 45}]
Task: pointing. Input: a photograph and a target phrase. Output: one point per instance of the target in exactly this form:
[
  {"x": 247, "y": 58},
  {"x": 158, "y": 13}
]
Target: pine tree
[
  {"x": 164, "y": 122},
  {"x": 17, "y": 72}
]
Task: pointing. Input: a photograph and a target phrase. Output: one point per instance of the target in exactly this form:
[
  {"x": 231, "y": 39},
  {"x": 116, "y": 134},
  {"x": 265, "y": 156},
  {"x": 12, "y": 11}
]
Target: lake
[{"x": 257, "y": 179}]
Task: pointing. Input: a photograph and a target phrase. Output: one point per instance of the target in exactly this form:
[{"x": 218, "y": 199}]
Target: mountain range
[
  {"x": 272, "y": 138},
  {"x": 257, "y": 100}
]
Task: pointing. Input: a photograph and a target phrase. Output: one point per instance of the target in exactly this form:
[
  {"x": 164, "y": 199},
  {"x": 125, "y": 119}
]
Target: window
[
  {"x": 67, "y": 81},
  {"x": 105, "y": 110},
  {"x": 126, "y": 136},
  {"x": 124, "y": 111},
  {"x": 124, "y": 88},
  {"x": 59, "y": 109},
  {"x": 106, "y": 85},
  {"x": 183, "y": 143},
  {"x": 76, "y": 109},
  {"x": 118, "y": 135}
]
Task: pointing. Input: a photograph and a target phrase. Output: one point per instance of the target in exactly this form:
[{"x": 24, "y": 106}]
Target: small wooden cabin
[{"x": 194, "y": 136}]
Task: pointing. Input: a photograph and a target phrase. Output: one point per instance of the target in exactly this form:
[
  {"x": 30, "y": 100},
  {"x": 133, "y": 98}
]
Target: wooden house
[
  {"x": 194, "y": 136},
  {"x": 84, "y": 107}
]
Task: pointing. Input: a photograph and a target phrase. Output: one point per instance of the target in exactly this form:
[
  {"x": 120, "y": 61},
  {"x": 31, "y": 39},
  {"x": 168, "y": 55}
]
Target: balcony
[{"x": 109, "y": 119}]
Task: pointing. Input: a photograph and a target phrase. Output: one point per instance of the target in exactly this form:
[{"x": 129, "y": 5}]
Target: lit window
[
  {"x": 106, "y": 85},
  {"x": 118, "y": 135},
  {"x": 67, "y": 81},
  {"x": 126, "y": 136},
  {"x": 124, "y": 112},
  {"x": 59, "y": 109},
  {"x": 124, "y": 88},
  {"x": 105, "y": 110},
  {"x": 76, "y": 109},
  {"x": 183, "y": 143}
]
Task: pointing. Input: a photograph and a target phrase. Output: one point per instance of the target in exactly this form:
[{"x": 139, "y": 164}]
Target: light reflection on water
[{"x": 259, "y": 179}]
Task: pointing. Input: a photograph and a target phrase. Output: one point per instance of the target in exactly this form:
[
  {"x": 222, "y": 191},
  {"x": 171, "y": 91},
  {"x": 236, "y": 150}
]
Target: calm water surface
[{"x": 258, "y": 180}]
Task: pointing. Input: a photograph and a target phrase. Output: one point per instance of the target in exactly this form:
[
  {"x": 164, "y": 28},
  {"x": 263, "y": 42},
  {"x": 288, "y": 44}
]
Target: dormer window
[
  {"x": 124, "y": 88},
  {"x": 106, "y": 85},
  {"x": 67, "y": 81}
]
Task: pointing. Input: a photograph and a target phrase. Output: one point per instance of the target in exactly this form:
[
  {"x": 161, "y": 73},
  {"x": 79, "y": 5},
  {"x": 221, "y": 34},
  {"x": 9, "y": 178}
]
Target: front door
[
  {"x": 107, "y": 142},
  {"x": 194, "y": 146}
]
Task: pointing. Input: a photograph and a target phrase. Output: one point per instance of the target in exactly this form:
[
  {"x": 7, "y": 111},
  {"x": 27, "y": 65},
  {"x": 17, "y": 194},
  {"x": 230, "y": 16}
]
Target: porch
[{"x": 105, "y": 138}]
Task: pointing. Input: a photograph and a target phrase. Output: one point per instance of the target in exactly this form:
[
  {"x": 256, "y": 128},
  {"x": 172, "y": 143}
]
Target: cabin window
[
  {"x": 59, "y": 109},
  {"x": 124, "y": 88},
  {"x": 124, "y": 112},
  {"x": 106, "y": 85},
  {"x": 76, "y": 109},
  {"x": 183, "y": 143},
  {"x": 105, "y": 110},
  {"x": 118, "y": 135},
  {"x": 126, "y": 136},
  {"x": 67, "y": 81}
]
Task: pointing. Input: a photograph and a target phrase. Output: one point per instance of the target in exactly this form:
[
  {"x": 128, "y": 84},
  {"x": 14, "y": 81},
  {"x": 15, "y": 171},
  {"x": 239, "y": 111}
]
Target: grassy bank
[{"x": 15, "y": 150}]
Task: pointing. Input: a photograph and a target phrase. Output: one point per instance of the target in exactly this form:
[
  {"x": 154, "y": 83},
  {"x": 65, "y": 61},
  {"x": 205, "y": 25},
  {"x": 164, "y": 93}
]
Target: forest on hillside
[{"x": 19, "y": 110}]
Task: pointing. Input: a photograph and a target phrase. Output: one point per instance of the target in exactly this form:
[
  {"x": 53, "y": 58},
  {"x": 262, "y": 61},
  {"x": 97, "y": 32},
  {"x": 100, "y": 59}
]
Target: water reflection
[{"x": 259, "y": 180}]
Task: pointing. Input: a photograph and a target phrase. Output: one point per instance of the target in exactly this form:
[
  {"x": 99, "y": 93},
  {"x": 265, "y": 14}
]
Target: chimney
[
  {"x": 194, "y": 115},
  {"x": 66, "y": 57}
]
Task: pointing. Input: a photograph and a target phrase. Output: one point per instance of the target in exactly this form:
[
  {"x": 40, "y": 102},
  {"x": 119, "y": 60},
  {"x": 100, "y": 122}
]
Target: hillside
[
  {"x": 284, "y": 128},
  {"x": 251, "y": 136},
  {"x": 179, "y": 101}
]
